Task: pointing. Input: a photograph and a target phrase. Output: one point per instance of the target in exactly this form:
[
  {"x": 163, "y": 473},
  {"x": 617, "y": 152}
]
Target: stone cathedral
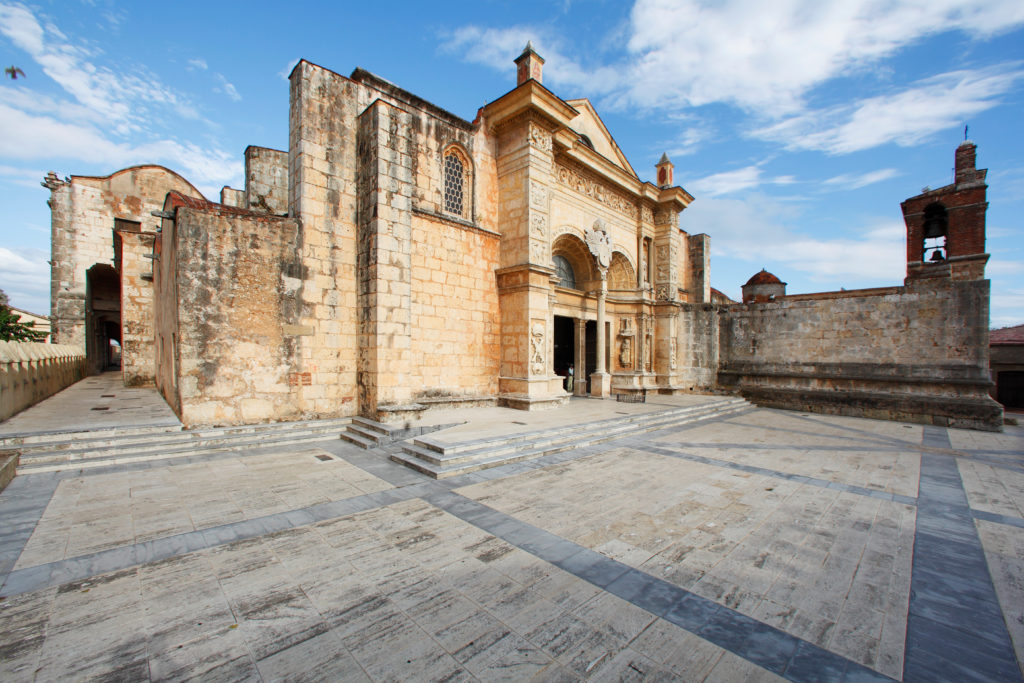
[{"x": 398, "y": 257}]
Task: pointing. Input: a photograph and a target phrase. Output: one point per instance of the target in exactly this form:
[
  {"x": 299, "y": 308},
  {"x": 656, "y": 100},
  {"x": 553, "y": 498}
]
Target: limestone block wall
[
  {"x": 82, "y": 227},
  {"x": 266, "y": 180},
  {"x": 456, "y": 321},
  {"x": 227, "y": 312},
  {"x": 322, "y": 165},
  {"x": 915, "y": 353},
  {"x": 31, "y": 372},
  {"x": 697, "y": 347},
  {"x": 138, "y": 351}
]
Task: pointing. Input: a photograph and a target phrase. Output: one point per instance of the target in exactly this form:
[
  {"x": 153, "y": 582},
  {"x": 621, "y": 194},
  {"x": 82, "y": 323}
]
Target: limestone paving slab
[
  {"x": 623, "y": 561},
  {"x": 89, "y": 514}
]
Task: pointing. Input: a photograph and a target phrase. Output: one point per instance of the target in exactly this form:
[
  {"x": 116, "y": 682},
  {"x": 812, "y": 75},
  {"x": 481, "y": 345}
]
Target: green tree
[{"x": 11, "y": 327}]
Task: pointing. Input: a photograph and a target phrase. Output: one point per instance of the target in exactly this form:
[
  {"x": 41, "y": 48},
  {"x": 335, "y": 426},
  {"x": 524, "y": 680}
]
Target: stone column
[
  {"x": 600, "y": 381},
  {"x": 580, "y": 359}
]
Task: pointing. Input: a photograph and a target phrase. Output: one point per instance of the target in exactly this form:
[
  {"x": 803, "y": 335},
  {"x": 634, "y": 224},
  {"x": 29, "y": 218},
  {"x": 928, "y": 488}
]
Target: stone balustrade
[{"x": 31, "y": 372}]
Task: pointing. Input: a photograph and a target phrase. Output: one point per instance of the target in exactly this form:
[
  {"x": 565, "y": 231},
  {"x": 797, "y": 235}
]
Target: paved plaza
[{"x": 765, "y": 545}]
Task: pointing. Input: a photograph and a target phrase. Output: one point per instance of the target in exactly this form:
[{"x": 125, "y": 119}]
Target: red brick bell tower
[{"x": 946, "y": 227}]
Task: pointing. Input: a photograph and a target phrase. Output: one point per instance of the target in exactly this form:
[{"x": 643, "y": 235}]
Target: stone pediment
[{"x": 587, "y": 122}]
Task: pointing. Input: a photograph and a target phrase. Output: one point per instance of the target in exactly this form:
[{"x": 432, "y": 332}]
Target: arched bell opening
[{"x": 935, "y": 229}]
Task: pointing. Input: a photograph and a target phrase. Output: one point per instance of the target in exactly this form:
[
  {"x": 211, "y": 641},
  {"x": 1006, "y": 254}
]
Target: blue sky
[{"x": 798, "y": 125}]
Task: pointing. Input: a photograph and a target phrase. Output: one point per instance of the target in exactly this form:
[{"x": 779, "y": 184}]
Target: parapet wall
[
  {"x": 917, "y": 353},
  {"x": 31, "y": 372}
]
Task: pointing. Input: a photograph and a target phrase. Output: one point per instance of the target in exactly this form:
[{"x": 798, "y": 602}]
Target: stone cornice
[{"x": 530, "y": 96}]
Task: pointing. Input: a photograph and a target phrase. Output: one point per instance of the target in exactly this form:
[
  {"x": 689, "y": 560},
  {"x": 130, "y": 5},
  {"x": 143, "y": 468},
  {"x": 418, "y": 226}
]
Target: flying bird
[{"x": 14, "y": 72}]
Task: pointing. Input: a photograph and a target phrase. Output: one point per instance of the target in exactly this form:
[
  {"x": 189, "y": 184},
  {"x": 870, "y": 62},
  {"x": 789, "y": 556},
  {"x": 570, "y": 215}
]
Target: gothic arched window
[
  {"x": 455, "y": 185},
  {"x": 564, "y": 271}
]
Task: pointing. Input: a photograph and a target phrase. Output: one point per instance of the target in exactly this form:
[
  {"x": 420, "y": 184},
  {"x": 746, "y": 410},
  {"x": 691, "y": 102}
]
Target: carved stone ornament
[
  {"x": 600, "y": 244},
  {"x": 626, "y": 356},
  {"x": 539, "y": 224},
  {"x": 661, "y": 261},
  {"x": 540, "y": 138},
  {"x": 538, "y": 195},
  {"x": 538, "y": 251},
  {"x": 672, "y": 353},
  {"x": 537, "y": 348},
  {"x": 626, "y": 327},
  {"x": 595, "y": 190},
  {"x": 664, "y": 293}
]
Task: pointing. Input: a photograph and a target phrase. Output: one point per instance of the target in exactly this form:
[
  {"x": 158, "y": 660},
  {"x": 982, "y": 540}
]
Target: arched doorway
[
  {"x": 574, "y": 329},
  {"x": 102, "y": 318}
]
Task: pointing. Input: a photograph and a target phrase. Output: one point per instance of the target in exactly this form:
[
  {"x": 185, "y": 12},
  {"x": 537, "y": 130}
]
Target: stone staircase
[
  {"x": 48, "y": 452},
  {"x": 367, "y": 433},
  {"x": 439, "y": 460}
]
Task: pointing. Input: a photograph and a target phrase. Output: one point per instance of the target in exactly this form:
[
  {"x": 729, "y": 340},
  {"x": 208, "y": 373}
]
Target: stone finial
[
  {"x": 664, "y": 169},
  {"x": 52, "y": 182},
  {"x": 529, "y": 65}
]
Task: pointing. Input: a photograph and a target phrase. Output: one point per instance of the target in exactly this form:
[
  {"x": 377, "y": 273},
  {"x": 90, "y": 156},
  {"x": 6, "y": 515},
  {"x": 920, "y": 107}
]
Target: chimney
[{"x": 529, "y": 65}]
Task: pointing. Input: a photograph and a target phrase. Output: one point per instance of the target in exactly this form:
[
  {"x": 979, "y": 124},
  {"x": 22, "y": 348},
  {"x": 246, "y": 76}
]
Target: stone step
[
  {"x": 360, "y": 439},
  {"x": 571, "y": 431},
  {"x": 435, "y": 448},
  {"x": 101, "y": 452},
  {"x": 63, "y": 436},
  {"x": 368, "y": 434},
  {"x": 449, "y": 462},
  {"x": 172, "y": 446},
  {"x": 90, "y": 463},
  {"x": 84, "y": 441}
]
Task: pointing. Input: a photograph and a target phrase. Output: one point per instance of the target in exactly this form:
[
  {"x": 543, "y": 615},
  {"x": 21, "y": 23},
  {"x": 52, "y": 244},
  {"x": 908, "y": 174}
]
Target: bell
[
  {"x": 934, "y": 226},
  {"x": 937, "y": 256}
]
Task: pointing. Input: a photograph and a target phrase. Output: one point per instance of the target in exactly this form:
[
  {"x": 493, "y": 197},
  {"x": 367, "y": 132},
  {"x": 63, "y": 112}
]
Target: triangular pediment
[{"x": 588, "y": 123}]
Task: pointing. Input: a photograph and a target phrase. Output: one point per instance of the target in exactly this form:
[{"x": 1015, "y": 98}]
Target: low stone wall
[
  {"x": 30, "y": 372},
  {"x": 917, "y": 353}
]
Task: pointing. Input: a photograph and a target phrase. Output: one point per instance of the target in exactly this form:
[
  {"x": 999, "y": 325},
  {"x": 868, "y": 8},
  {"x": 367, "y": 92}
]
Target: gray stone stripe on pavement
[
  {"x": 799, "y": 478},
  {"x": 955, "y": 626},
  {"x": 21, "y": 506},
  {"x": 754, "y": 641},
  {"x": 77, "y": 568},
  {"x": 997, "y": 518},
  {"x": 862, "y": 434}
]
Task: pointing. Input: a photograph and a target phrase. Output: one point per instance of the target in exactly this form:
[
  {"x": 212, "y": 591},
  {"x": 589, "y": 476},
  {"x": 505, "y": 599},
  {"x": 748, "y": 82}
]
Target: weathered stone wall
[
  {"x": 266, "y": 180},
  {"x": 697, "y": 347},
  {"x": 917, "y": 353},
  {"x": 322, "y": 197},
  {"x": 455, "y": 314},
  {"x": 364, "y": 159},
  {"x": 31, "y": 372},
  {"x": 138, "y": 354},
  {"x": 227, "y": 300},
  {"x": 84, "y": 210}
]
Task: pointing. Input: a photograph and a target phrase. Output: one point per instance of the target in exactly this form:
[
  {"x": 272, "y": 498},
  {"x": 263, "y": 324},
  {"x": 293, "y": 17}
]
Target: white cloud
[
  {"x": 30, "y": 137},
  {"x": 108, "y": 120},
  {"x": 227, "y": 88},
  {"x": 851, "y": 181},
  {"x": 727, "y": 182},
  {"x": 25, "y": 278},
  {"x": 767, "y": 56},
  {"x": 497, "y": 47},
  {"x": 121, "y": 97},
  {"x": 755, "y": 230},
  {"x": 197, "y": 63},
  {"x": 905, "y": 118}
]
